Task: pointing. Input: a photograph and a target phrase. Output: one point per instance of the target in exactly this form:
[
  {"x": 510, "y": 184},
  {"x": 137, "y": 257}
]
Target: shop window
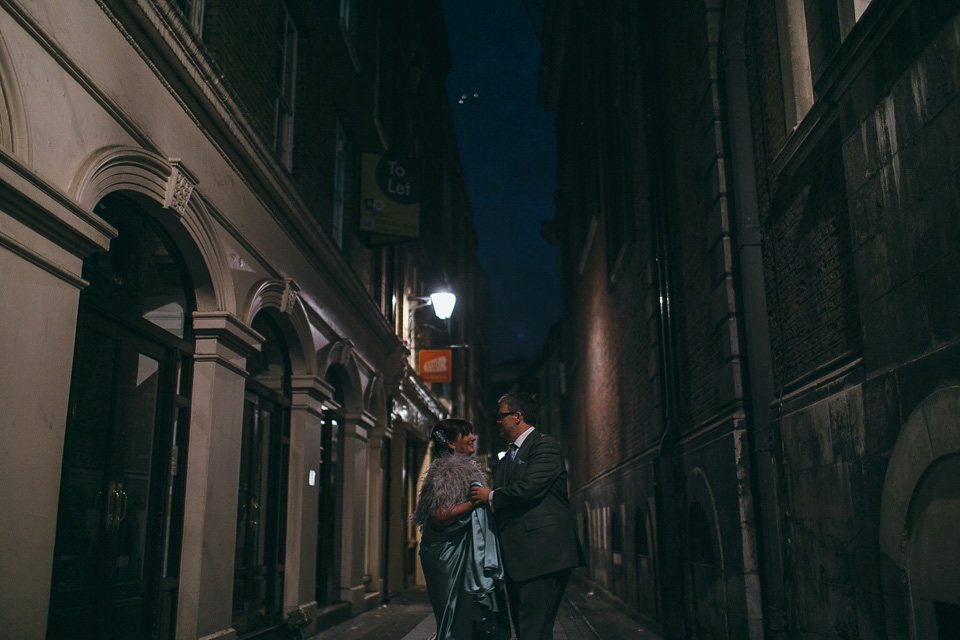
[
  {"x": 286, "y": 79},
  {"x": 122, "y": 480},
  {"x": 260, "y": 544}
]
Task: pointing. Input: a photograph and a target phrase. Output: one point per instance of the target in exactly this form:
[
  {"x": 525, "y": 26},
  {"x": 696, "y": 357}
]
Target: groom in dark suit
[{"x": 538, "y": 539}]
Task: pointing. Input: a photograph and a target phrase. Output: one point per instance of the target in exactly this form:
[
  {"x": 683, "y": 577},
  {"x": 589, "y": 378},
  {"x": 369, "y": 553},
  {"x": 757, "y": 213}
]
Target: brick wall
[
  {"x": 809, "y": 271},
  {"x": 694, "y": 225},
  {"x": 610, "y": 354},
  {"x": 241, "y": 36}
]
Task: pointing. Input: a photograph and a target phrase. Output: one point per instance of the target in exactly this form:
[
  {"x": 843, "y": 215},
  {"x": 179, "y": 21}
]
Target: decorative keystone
[{"x": 180, "y": 185}]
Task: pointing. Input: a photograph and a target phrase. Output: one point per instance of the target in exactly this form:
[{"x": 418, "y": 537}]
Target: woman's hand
[
  {"x": 479, "y": 495},
  {"x": 443, "y": 517}
]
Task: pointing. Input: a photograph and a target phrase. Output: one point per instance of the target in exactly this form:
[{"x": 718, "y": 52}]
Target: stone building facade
[
  {"x": 757, "y": 215},
  {"x": 210, "y": 420}
]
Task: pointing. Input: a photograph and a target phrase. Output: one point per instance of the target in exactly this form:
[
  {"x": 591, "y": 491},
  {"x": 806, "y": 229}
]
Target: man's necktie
[{"x": 510, "y": 456}]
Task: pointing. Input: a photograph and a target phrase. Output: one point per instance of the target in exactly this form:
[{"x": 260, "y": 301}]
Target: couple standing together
[{"x": 520, "y": 534}]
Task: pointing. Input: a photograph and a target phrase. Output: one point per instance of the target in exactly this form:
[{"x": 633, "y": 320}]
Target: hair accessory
[{"x": 439, "y": 439}]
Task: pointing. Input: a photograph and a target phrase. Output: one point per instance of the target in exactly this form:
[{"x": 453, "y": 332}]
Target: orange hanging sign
[{"x": 436, "y": 365}]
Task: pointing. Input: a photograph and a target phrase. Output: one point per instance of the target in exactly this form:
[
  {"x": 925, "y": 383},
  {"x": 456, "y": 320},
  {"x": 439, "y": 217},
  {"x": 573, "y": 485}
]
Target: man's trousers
[{"x": 534, "y": 604}]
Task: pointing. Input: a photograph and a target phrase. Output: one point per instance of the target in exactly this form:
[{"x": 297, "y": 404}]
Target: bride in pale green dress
[{"x": 458, "y": 549}]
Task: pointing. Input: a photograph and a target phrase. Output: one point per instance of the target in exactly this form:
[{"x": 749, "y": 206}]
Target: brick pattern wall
[
  {"x": 809, "y": 271},
  {"x": 613, "y": 407},
  {"x": 699, "y": 215},
  {"x": 613, "y": 411},
  {"x": 766, "y": 87},
  {"x": 241, "y": 36}
]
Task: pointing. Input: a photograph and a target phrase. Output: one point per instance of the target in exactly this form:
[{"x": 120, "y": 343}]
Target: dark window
[
  {"x": 699, "y": 538},
  {"x": 330, "y": 496},
  {"x": 640, "y": 532},
  {"x": 260, "y": 547},
  {"x": 339, "y": 184},
  {"x": 286, "y": 78},
  {"x": 616, "y": 532}
]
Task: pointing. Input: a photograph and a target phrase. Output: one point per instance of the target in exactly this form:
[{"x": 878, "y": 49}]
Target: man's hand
[{"x": 479, "y": 495}]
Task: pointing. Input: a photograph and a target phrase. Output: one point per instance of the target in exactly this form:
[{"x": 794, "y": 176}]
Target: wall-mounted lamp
[{"x": 442, "y": 302}]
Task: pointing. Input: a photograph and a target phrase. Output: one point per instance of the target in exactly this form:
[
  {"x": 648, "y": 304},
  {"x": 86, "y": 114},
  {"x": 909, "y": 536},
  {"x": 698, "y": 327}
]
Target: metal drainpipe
[
  {"x": 755, "y": 318},
  {"x": 667, "y": 471}
]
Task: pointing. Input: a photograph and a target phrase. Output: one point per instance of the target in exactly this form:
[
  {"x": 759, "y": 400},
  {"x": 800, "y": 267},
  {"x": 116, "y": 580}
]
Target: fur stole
[{"x": 447, "y": 484}]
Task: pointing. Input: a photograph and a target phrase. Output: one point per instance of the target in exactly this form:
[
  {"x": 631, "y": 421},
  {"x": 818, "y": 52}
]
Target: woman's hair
[{"x": 447, "y": 431}]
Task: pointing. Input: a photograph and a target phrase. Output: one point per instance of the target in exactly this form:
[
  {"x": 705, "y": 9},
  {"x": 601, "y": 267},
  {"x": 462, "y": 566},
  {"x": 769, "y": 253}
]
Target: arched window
[
  {"x": 120, "y": 519},
  {"x": 143, "y": 274}
]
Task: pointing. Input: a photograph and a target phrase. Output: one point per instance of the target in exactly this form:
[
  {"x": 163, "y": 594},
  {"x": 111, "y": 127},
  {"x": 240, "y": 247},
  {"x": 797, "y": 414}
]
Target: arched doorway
[
  {"x": 932, "y": 554},
  {"x": 119, "y": 523},
  {"x": 330, "y": 480},
  {"x": 262, "y": 490},
  {"x": 704, "y": 576},
  {"x": 919, "y": 516}
]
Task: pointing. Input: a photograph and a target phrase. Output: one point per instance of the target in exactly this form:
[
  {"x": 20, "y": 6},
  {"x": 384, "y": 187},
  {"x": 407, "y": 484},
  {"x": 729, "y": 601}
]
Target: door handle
[
  {"x": 116, "y": 505},
  {"x": 254, "y": 513},
  {"x": 122, "y": 507},
  {"x": 113, "y": 506}
]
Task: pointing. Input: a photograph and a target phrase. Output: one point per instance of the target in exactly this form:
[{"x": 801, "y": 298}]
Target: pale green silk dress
[{"x": 461, "y": 564}]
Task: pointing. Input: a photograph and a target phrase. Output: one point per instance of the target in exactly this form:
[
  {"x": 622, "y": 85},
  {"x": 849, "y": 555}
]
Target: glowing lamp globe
[{"x": 443, "y": 304}]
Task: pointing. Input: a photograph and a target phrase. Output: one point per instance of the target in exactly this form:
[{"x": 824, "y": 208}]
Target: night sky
[{"x": 508, "y": 154}]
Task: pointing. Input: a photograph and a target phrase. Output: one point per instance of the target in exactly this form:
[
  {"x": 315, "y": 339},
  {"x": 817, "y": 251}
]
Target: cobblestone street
[{"x": 408, "y": 616}]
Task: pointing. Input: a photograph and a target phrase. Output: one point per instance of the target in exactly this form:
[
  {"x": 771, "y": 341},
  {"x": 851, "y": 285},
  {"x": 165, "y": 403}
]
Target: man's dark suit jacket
[{"x": 532, "y": 512}]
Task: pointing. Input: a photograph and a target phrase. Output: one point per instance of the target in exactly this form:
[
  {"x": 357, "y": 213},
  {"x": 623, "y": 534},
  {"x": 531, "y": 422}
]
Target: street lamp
[{"x": 442, "y": 302}]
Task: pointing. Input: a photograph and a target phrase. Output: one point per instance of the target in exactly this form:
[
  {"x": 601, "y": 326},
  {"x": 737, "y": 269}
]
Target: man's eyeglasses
[{"x": 502, "y": 415}]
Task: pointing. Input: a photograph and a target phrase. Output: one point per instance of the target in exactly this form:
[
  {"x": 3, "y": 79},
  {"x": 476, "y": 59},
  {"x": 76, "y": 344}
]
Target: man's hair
[
  {"x": 524, "y": 403},
  {"x": 447, "y": 431}
]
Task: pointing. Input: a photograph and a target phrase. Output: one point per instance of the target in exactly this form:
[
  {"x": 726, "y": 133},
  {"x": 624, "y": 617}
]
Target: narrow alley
[
  {"x": 583, "y": 616},
  {"x": 308, "y": 305}
]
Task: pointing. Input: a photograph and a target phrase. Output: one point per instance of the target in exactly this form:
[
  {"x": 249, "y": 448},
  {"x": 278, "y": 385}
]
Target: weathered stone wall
[{"x": 861, "y": 261}]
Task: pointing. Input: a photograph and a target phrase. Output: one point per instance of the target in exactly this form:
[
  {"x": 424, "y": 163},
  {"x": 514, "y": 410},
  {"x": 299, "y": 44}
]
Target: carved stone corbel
[
  {"x": 180, "y": 185},
  {"x": 291, "y": 293}
]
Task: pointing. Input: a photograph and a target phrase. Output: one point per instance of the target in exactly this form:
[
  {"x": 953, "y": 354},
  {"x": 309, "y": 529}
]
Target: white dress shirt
[{"x": 519, "y": 443}]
